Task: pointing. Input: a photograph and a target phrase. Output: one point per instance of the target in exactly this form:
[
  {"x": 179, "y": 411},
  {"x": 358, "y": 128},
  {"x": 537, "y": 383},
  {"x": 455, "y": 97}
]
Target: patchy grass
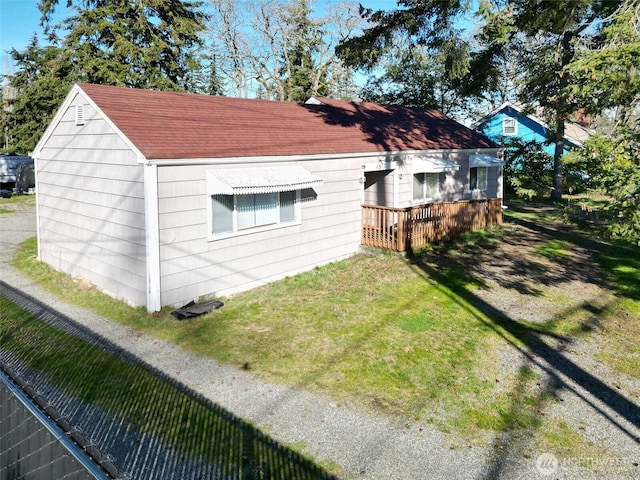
[
  {"x": 9, "y": 205},
  {"x": 187, "y": 427},
  {"x": 621, "y": 345},
  {"x": 554, "y": 249},
  {"x": 370, "y": 330},
  {"x": 18, "y": 199},
  {"x": 395, "y": 335},
  {"x": 564, "y": 441}
]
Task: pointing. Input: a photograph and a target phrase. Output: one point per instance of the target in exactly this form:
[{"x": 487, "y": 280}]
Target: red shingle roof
[{"x": 165, "y": 125}]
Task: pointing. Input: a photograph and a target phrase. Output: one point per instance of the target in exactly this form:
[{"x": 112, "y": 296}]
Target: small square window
[
  {"x": 478, "y": 178},
  {"x": 509, "y": 127},
  {"x": 425, "y": 186}
]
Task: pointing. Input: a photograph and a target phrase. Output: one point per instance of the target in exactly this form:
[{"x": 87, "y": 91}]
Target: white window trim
[
  {"x": 504, "y": 129},
  {"x": 424, "y": 198},
  {"x": 251, "y": 230}
]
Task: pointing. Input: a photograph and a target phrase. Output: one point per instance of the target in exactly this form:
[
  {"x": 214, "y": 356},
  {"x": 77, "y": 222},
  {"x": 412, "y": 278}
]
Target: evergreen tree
[
  {"x": 302, "y": 46},
  {"x": 415, "y": 77},
  {"x": 544, "y": 35},
  {"x": 551, "y": 30},
  {"x": 134, "y": 43},
  {"x": 42, "y": 79},
  {"x": 608, "y": 77}
]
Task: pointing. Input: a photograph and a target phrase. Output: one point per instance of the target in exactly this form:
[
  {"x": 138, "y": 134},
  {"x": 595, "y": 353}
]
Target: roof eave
[{"x": 388, "y": 155}]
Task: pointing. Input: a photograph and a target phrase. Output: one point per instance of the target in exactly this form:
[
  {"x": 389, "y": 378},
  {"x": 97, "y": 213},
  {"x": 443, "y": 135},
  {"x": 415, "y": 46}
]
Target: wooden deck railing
[{"x": 402, "y": 229}]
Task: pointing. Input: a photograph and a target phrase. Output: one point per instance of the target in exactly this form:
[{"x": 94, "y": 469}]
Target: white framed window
[
  {"x": 238, "y": 214},
  {"x": 478, "y": 178},
  {"x": 426, "y": 186},
  {"x": 509, "y": 127},
  {"x": 255, "y": 199}
]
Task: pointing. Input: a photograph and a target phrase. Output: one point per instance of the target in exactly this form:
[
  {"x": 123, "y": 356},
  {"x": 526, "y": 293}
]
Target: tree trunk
[{"x": 556, "y": 193}]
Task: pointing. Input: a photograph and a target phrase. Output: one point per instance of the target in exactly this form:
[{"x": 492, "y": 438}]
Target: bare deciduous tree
[{"x": 276, "y": 49}]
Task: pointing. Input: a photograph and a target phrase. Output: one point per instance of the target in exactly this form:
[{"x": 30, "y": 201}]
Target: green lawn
[
  {"x": 145, "y": 404},
  {"x": 30, "y": 199},
  {"x": 389, "y": 333}
]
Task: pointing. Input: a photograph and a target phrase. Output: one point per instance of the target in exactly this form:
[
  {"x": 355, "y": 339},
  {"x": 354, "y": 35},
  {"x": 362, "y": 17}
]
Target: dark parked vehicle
[{"x": 10, "y": 165}]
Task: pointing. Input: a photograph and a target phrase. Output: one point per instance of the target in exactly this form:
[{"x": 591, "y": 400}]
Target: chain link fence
[
  {"x": 122, "y": 412},
  {"x": 32, "y": 446}
]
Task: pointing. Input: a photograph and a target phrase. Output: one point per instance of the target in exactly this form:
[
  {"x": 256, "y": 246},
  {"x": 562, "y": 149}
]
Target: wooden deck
[{"x": 403, "y": 229}]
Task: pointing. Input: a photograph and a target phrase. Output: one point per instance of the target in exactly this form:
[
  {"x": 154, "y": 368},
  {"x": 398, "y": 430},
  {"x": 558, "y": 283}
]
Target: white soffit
[
  {"x": 433, "y": 165},
  {"x": 245, "y": 181},
  {"x": 484, "y": 160}
]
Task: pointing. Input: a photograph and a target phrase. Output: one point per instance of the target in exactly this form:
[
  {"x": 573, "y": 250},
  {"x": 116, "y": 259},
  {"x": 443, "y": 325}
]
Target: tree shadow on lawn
[
  {"x": 129, "y": 417},
  {"x": 540, "y": 348},
  {"x": 623, "y": 260}
]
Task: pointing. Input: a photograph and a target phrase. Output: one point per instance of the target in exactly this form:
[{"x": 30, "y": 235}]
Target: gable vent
[{"x": 79, "y": 115}]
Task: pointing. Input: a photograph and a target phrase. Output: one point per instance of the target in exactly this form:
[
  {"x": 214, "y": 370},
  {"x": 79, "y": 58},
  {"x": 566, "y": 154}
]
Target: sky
[{"x": 20, "y": 19}]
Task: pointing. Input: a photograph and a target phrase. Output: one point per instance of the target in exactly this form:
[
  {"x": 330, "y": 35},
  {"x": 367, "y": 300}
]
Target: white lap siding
[
  {"x": 454, "y": 186},
  {"x": 192, "y": 267},
  {"x": 91, "y": 206}
]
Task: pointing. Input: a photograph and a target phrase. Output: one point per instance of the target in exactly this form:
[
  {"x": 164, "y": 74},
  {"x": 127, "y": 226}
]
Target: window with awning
[
  {"x": 246, "y": 199},
  {"x": 478, "y": 170},
  {"x": 426, "y": 176}
]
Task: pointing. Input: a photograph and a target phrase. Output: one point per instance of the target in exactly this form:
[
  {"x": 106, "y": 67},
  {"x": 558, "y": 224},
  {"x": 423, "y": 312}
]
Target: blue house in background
[{"x": 508, "y": 121}]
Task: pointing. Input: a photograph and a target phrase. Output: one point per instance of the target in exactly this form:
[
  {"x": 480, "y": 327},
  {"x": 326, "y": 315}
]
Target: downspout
[
  {"x": 152, "y": 237},
  {"x": 397, "y": 176},
  {"x": 36, "y": 160},
  {"x": 500, "y": 155}
]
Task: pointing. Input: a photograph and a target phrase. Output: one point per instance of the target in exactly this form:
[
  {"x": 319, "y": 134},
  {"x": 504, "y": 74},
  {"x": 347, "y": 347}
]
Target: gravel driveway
[{"x": 365, "y": 446}]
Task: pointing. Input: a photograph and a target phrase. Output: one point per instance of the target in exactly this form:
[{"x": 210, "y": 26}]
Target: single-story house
[
  {"x": 160, "y": 198},
  {"x": 509, "y": 121}
]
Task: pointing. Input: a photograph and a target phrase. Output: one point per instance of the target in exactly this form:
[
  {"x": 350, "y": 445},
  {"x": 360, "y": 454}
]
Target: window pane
[
  {"x": 266, "y": 208},
  {"x": 245, "y": 205},
  {"x": 473, "y": 178},
  {"x": 222, "y": 213},
  {"x": 418, "y": 189},
  {"x": 252, "y": 210},
  {"x": 287, "y": 206},
  {"x": 482, "y": 178},
  {"x": 431, "y": 183}
]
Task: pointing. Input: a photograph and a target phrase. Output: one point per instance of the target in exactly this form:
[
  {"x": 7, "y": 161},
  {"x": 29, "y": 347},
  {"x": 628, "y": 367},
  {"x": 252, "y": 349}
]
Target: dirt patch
[
  {"x": 538, "y": 281},
  {"x": 535, "y": 277},
  {"x": 528, "y": 272}
]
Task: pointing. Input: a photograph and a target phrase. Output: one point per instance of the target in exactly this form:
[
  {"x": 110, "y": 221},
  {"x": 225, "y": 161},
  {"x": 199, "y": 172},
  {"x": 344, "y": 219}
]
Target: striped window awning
[
  {"x": 246, "y": 181},
  {"x": 433, "y": 165},
  {"x": 484, "y": 160}
]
